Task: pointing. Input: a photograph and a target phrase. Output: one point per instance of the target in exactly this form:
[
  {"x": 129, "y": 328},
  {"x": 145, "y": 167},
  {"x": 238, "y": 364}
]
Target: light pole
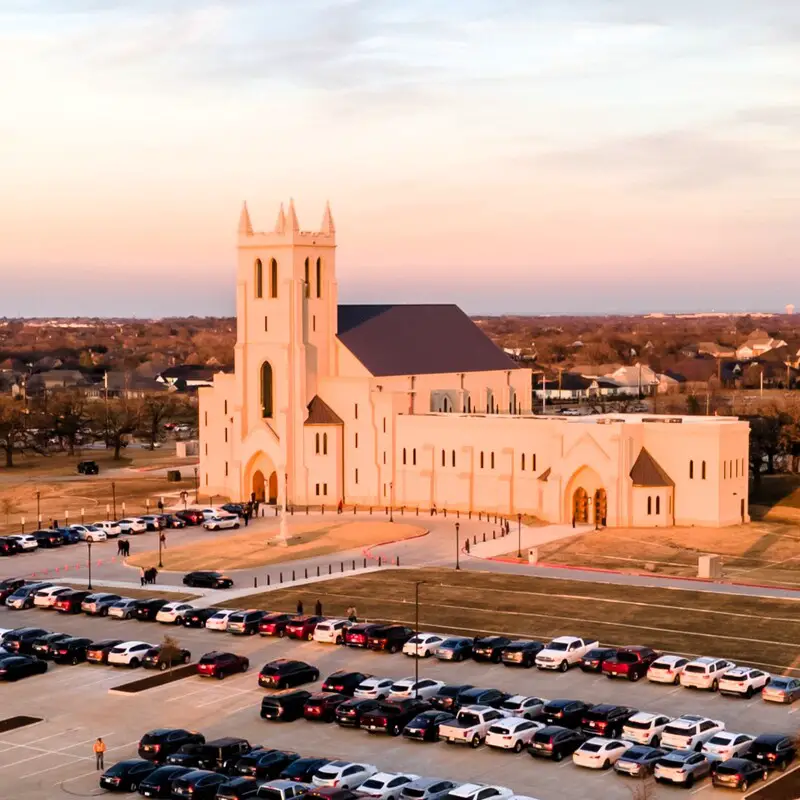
[
  {"x": 160, "y": 541},
  {"x": 196, "y": 487},
  {"x": 458, "y": 547},
  {"x": 417, "y": 584},
  {"x": 391, "y": 502},
  {"x": 89, "y": 545},
  {"x": 519, "y": 535},
  {"x": 114, "y": 498},
  {"x": 38, "y": 509}
]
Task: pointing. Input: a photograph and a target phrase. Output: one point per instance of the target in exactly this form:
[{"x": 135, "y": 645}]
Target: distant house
[
  {"x": 125, "y": 385},
  {"x": 188, "y": 376},
  {"x": 758, "y": 343},
  {"x": 565, "y": 387},
  {"x": 638, "y": 379},
  {"x": 715, "y": 350},
  {"x": 54, "y": 379}
]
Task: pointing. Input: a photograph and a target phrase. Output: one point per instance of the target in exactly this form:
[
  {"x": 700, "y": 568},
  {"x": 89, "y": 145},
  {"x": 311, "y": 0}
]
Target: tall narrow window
[
  {"x": 481, "y": 459},
  {"x": 444, "y": 459},
  {"x": 226, "y": 433},
  {"x": 453, "y": 457},
  {"x": 414, "y": 457},
  {"x": 266, "y": 390},
  {"x": 308, "y": 279},
  {"x": 324, "y": 444},
  {"x": 266, "y": 325},
  {"x": 316, "y": 447},
  {"x": 356, "y": 475},
  {"x": 325, "y": 489},
  {"x": 226, "y": 469},
  {"x": 273, "y": 278},
  {"x": 356, "y": 438},
  {"x": 658, "y": 504},
  {"x": 649, "y": 505},
  {"x": 319, "y": 277},
  {"x": 226, "y": 406},
  {"x": 533, "y": 462},
  {"x": 523, "y": 462},
  {"x": 355, "y": 410},
  {"x": 703, "y": 470},
  {"x": 404, "y": 455},
  {"x": 492, "y": 462},
  {"x": 691, "y": 469},
  {"x": 259, "y": 278}
]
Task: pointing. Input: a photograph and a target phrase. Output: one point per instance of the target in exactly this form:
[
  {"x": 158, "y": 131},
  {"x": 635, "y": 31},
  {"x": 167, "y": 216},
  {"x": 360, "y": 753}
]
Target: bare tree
[
  {"x": 70, "y": 418},
  {"x": 156, "y": 409},
  {"x": 115, "y": 421},
  {"x": 170, "y": 652},
  {"x": 15, "y": 436}
]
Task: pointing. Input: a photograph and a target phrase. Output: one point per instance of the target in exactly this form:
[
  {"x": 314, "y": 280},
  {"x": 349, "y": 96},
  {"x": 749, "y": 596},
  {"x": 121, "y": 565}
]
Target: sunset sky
[{"x": 508, "y": 155}]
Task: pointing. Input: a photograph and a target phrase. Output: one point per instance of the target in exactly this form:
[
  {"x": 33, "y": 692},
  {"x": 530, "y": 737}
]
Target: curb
[{"x": 367, "y": 551}]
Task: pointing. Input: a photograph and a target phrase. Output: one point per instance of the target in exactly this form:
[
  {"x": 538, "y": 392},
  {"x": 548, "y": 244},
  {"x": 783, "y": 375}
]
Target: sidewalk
[{"x": 529, "y": 537}]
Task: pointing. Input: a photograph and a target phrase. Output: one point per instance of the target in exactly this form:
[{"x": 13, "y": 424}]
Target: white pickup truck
[
  {"x": 470, "y": 726},
  {"x": 564, "y": 652}
]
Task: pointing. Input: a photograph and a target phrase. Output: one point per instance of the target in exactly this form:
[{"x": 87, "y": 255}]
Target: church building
[{"x": 413, "y": 406}]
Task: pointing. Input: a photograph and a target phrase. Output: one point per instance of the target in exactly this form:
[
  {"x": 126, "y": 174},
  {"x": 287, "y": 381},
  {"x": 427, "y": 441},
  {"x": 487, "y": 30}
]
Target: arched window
[
  {"x": 691, "y": 469},
  {"x": 259, "y": 278},
  {"x": 658, "y": 504},
  {"x": 319, "y": 277},
  {"x": 316, "y": 449},
  {"x": 481, "y": 459},
  {"x": 453, "y": 458},
  {"x": 273, "y": 278},
  {"x": 266, "y": 390},
  {"x": 414, "y": 457},
  {"x": 308, "y": 279},
  {"x": 404, "y": 455},
  {"x": 649, "y": 505},
  {"x": 324, "y": 444},
  {"x": 703, "y": 470}
]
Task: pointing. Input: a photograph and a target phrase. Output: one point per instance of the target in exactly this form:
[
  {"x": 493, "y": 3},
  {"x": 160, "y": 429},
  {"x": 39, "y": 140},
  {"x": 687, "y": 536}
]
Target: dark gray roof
[
  {"x": 418, "y": 340},
  {"x": 646, "y": 471},
  {"x": 320, "y": 413}
]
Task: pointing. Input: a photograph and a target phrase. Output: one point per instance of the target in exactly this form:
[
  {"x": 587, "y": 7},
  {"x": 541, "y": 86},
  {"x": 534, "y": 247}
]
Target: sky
[{"x": 508, "y": 155}]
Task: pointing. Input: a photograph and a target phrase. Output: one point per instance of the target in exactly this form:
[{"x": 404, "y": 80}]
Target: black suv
[
  {"x": 606, "y": 720},
  {"x": 285, "y": 707},
  {"x": 481, "y": 697},
  {"x": 146, "y": 610},
  {"x": 344, "y": 682},
  {"x": 199, "y": 784},
  {"x": 446, "y": 698},
  {"x": 21, "y": 640},
  {"x": 9, "y": 585},
  {"x": 520, "y": 654},
  {"x": 349, "y": 713},
  {"x": 555, "y": 742},
  {"x": 489, "y": 648},
  {"x": 593, "y": 660},
  {"x": 265, "y": 764},
  {"x": 772, "y": 750},
  {"x": 70, "y": 651},
  {"x": 207, "y": 580},
  {"x": 48, "y": 538},
  {"x": 41, "y": 646},
  {"x": 197, "y": 618},
  {"x": 221, "y": 755},
  {"x": 9, "y": 547},
  {"x": 392, "y": 717},
  {"x": 302, "y": 770},
  {"x": 88, "y": 468},
  {"x": 284, "y": 673},
  {"x": 157, "y": 744},
  {"x": 566, "y": 713},
  {"x": 389, "y": 637}
]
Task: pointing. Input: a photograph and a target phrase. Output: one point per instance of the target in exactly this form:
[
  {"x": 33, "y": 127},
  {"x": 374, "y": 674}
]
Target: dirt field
[
  {"x": 762, "y": 552},
  {"x": 54, "y": 478},
  {"x": 540, "y": 608},
  {"x": 254, "y": 549}
]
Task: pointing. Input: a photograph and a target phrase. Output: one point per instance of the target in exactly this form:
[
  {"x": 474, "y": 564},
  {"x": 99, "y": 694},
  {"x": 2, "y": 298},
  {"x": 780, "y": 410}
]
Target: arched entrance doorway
[
  {"x": 266, "y": 491},
  {"x": 600, "y": 507},
  {"x": 273, "y": 488},
  {"x": 259, "y": 489},
  {"x": 580, "y": 505}
]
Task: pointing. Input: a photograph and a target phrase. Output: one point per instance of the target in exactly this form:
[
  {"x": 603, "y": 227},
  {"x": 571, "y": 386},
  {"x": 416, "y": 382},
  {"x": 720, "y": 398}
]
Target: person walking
[
  {"x": 163, "y": 539},
  {"x": 340, "y": 507},
  {"x": 318, "y": 609},
  {"x": 351, "y": 614},
  {"x": 142, "y": 575},
  {"x": 99, "y": 751},
  {"x": 299, "y": 606},
  {"x": 120, "y": 547},
  {"x": 246, "y": 516},
  {"x": 127, "y": 544}
]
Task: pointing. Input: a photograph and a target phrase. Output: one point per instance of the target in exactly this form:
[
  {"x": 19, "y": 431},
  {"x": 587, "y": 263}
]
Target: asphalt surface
[{"x": 53, "y": 759}]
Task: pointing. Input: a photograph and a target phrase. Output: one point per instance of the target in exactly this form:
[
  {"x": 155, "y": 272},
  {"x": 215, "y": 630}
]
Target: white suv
[
  {"x": 512, "y": 733},
  {"x": 644, "y": 728},
  {"x": 132, "y": 525},
  {"x": 667, "y": 669},
  {"x": 332, "y": 631},
  {"x": 173, "y": 613},
  {"x": 221, "y": 523},
  {"x": 129, "y": 654},
  {"x": 478, "y": 791},
  {"x": 705, "y": 672},
  {"x": 112, "y": 529},
  {"x": 423, "y": 645},
  {"x": 689, "y": 732},
  {"x": 25, "y": 541},
  {"x": 743, "y": 681},
  {"x": 88, "y": 533},
  {"x": 46, "y": 598}
]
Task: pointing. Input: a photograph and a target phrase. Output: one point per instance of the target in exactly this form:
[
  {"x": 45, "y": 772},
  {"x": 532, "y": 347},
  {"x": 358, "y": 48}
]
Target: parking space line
[
  {"x": 39, "y": 755},
  {"x": 40, "y": 772},
  {"x": 74, "y": 778},
  {"x": 702, "y": 788}
]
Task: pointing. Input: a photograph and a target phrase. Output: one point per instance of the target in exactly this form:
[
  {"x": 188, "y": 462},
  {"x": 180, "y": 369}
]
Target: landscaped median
[
  {"x": 156, "y": 679},
  {"x": 746, "y": 629}
]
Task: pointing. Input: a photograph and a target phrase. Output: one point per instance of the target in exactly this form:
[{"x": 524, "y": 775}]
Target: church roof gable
[
  {"x": 647, "y": 472},
  {"x": 320, "y": 413},
  {"x": 418, "y": 340}
]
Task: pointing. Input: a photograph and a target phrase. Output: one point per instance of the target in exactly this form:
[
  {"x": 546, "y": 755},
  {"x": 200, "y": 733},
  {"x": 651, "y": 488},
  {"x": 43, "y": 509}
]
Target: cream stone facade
[{"x": 412, "y": 406}]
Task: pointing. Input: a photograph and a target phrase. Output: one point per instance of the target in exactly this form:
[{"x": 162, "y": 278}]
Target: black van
[
  {"x": 284, "y": 707},
  {"x": 221, "y": 755}
]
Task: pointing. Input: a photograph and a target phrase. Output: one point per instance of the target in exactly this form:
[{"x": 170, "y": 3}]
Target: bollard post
[
  {"x": 293, "y": 577},
  {"x": 402, "y": 511},
  {"x": 379, "y": 561},
  {"x": 306, "y": 573},
  {"x": 354, "y": 564},
  {"x": 370, "y": 510},
  {"x": 318, "y": 570},
  {"x": 22, "y": 521},
  {"x": 330, "y": 569},
  {"x": 255, "y": 582},
  {"x": 365, "y": 563},
  {"x": 354, "y": 509},
  {"x": 493, "y": 535},
  {"x": 323, "y": 508},
  {"x": 417, "y": 510},
  {"x": 445, "y": 513},
  {"x": 397, "y": 560},
  {"x": 475, "y": 539},
  {"x": 83, "y": 516},
  {"x": 479, "y": 516},
  {"x": 306, "y": 510},
  {"x": 386, "y": 511},
  {"x": 458, "y": 514},
  {"x": 268, "y": 580},
  {"x": 341, "y": 566},
  {"x": 467, "y": 545},
  {"x": 484, "y": 536},
  {"x": 276, "y": 510},
  {"x": 469, "y": 515}
]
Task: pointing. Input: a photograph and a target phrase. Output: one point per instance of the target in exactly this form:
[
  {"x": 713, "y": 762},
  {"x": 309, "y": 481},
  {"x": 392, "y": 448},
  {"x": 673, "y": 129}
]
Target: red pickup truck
[{"x": 630, "y": 662}]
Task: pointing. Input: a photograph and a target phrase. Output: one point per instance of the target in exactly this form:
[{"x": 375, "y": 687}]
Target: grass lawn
[
  {"x": 135, "y": 594},
  {"x": 761, "y": 552},
  {"x": 779, "y": 490},
  {"x": 751, "y": 630},
  {"x": 241, "y": 550}
]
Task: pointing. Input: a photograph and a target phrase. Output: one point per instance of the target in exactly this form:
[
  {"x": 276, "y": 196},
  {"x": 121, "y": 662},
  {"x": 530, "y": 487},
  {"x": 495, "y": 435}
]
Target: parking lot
[{"x": 54, "y": 759}]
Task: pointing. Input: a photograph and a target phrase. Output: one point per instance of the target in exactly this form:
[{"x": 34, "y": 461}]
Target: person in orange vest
[{"x": 99, "y": 750}]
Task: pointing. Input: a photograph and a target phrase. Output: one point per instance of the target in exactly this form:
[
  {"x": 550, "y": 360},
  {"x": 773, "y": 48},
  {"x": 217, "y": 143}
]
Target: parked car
[
  {"x": 684, "y": 767},
  {"x": 47, "y": 596},
  {"x": 147, "y": 610},
  {"x": 667, "y": 669},
  {"x": 600, "y": 752},
  {"x": 455, "y": 648},
  {"x": 67, "y": 535},
  {"x": 344, "y": 682},
  {"x": 191, "y": 516},
  {"x": 128, "y": 654},
  {"x": 199, "y": 784},
  {"x": 427, "y": 789},
  {"x": 332, "y": 631},
  {"x": 162, "y": 659},
  {"x": 470, "y": 726},
  {"x": 385, "y": 785},
  {"x": 743, "y": 681},
  {"x": 197, "y": 617},
  {"x": 519, "y": 705},
  {"x": 173, "y": 613},
  {"x": 99, "y": 651},
  {"x": 321, "y": 706},
  {"x": 124, "y": 608},
  {"x": 343, "y": 774},
  {"x": 285, "y": 707},
  {"x": 392, "y": 717},
  {"x": 422, "y": 689},
  {"x": 172, "y": 521},
  {"x": 489, "y": 648},
  {"x": 26, "y": 542},
  {"x": 219, "y": 665},
  {"x": 125, "y": 776},
  {"x": 14, "y": 667},
  {"x": 446, "y": 699},
  {"x": 219, "y": 755},
  {"x": 245, "y": 623},
  {"x": 512, "y": 733},
  {"x": 302, "y": 627},
  {"x": 727, "y": 744},
  {"x": 773, "y": 751},
  {"x": 241, "y": 788},
  {"x": 566, "y": 713},
  {"x": 88, "y": 533},
  {"x": 219, "y": 621},
  {"x": 738, "y": 773},
  {"x": 639, "y": 761},
  {"x": 41, "y": 645},
  {"x": 159, "y": 782},
  {"x": 10, "y": 585},
  {"x": 358, "y": 634},
  {"x": 206, "y": 579},
  {"x": 482, "y": 697},
  {"x": 423, "y": 645},
  {"x": 606, "y": 720},
  {"x": 374, "y": 687},
  {"x": 780, "y": 689},
  {"x": 70, "y": 602},
  {"x": 21, "y": 640},
  {"x": 283, "y": 673},
  {"x": 689, "y": 732},
  {"x": 521, "y": 654},
  {"x": 630, "y": 662},
  {"x": 152, "y": 521},
  {"x": 350, "y": 712},
  {"x": 302, "y": 770},
  {"x": 222, "y": 522},
  {"x": 555, "y": 742},
  {"x": 88, "y": 468},
  {"x": 425, "y": 726},
  {"x": 159, "y": 743},
  {"x": 274, "y": 624},
  {"x": 705, "y": 673},
  {"x": 97, "y": 604},
  {"x": 563, "y": 652},
  {"x": 479, "y": 791},
  {"x": 132, "y": 525},
  {"x": 111, "y": 528},
  {"x": 645, "y": 728},
  {"x": 47, "y": 539},
  {"x": 264, "y": 764},
  {"x": 390, "y": 638},
  {"x": 9, "y": 546}
]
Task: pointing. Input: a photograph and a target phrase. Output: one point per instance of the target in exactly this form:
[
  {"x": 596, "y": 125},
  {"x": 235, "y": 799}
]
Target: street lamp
[
  {"x": 519, "y": 535},
  {"x": 458, "y": 547},
  {"x": 417, "y": 584},
  {"x": 161, "y": 535},
  {"x": 114, "y": 498},
  {"x": 391, "y": 502},
  {"x": 196, "y": 487},
  {"x": 38, "y": 509},
  {"x": 89, "y": 545}
]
